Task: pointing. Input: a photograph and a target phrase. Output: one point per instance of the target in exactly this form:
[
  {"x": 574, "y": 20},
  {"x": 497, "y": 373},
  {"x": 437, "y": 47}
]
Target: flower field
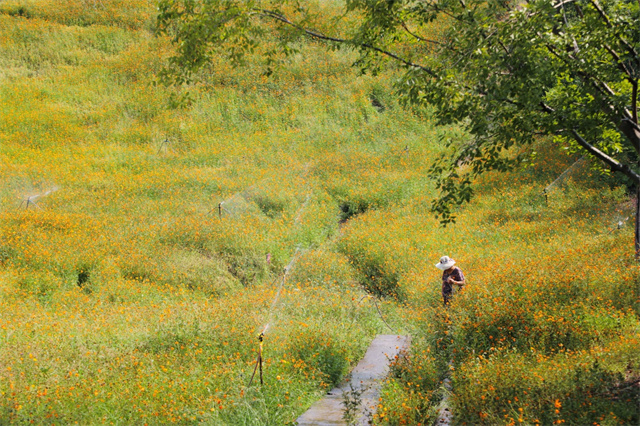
[{"x": 145, "y": 244}]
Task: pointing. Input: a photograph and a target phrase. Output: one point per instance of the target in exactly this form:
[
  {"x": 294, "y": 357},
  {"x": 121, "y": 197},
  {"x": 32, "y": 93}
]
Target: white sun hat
[{"x": 445, "y": 263}]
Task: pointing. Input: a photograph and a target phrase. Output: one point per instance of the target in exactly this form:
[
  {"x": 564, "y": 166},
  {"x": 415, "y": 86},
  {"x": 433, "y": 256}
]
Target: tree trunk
[{"x": 637, "y": 231}]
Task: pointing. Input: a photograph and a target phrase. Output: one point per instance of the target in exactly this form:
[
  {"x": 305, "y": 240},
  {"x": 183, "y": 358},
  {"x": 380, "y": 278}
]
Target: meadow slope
[{"x": 143, "y": 244}]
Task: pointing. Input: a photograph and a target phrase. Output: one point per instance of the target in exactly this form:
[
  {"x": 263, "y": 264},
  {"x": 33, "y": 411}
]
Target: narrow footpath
[
  {"x": 361, "y": 390},
  {"x": 444, "y": 413}
]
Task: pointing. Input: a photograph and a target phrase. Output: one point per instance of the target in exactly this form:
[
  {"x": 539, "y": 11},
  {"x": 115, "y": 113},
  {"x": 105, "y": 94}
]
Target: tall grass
[
  {"x": 130, "y": 294},
  {"x": 126, "y": 296}
]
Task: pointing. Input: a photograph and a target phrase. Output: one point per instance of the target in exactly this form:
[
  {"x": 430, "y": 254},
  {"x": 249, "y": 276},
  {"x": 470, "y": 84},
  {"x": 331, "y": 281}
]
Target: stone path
[{"x": 365, "y": 381}]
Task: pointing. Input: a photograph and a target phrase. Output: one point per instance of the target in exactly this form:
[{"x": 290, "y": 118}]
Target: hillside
[{"x": 143, "y": 244}]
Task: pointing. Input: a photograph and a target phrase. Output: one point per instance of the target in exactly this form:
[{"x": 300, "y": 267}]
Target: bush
[
  {"x": 203, "y": 272},
  {"x": 321, "y": 352},
  {"x": 568, "y": 387},
  {"x": 411, "y": 394}
]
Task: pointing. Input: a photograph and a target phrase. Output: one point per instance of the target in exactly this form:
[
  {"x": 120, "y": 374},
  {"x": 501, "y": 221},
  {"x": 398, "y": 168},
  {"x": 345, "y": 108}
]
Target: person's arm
[{"x": 460, "y": 281}]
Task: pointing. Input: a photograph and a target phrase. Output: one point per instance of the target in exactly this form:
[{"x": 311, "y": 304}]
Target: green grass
[{"x": 127, "y": 296}]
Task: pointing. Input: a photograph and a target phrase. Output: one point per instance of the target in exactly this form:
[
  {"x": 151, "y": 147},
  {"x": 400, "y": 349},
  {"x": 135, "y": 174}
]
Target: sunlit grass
[{"x": 135, "y": 289}]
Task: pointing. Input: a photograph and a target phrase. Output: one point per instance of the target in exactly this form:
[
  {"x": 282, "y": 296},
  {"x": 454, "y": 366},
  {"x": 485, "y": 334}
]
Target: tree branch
[
  {"x": 621, "y": 66},
  {"x": 632, "y": 131},
  {"x": 606, "y": 19},
  {"x": 599, "y": 85},
  {"x": 446, "y": 12},
  {"x": 417, "y": 37},
  {"x": 628, "y": 125},
  {"x": 612, "y": 163},
  {"x": 546, "y": 108},
  {"x": 562, "y": 3},
  {"x": 633, "y": 124},
  {"x": 320, "y": 36}
]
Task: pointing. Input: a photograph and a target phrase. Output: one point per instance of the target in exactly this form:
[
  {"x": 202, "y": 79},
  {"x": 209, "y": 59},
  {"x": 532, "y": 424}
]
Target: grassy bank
[{"x": 143, "y": 243}]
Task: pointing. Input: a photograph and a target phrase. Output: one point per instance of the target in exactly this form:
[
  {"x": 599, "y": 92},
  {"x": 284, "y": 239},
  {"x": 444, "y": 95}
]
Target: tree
[{"x": 507, "y": 71}]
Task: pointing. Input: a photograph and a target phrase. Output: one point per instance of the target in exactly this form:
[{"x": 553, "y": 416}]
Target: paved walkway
[{"x": 365, "y": 380}]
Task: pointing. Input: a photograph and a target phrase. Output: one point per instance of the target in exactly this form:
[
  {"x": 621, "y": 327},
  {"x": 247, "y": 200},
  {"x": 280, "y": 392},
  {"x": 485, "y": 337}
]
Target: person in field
[{"x": 451, "y": 275}]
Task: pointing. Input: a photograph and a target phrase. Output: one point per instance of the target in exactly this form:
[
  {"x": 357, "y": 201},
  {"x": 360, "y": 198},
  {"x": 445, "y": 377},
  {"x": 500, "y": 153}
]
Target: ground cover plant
[{"x": 143, "y": 244}]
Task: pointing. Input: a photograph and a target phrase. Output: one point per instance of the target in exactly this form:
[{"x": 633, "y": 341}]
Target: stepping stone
[{"x": 365, "y": 379}]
